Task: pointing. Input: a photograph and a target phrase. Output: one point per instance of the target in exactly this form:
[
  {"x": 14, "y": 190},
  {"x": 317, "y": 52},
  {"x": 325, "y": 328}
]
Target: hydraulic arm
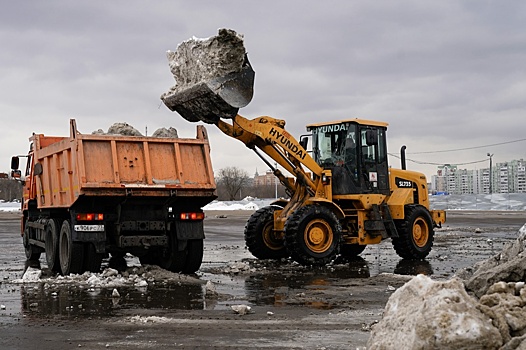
[{"x": 266, "y": 134}]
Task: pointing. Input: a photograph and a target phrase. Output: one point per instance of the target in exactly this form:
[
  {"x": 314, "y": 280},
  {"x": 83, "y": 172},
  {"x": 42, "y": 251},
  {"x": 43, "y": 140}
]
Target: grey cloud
[{"x": 444, "y": 74}]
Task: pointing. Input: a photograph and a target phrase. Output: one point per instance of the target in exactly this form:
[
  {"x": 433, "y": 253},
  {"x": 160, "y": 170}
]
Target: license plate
[{"x": 89, "y": 228}]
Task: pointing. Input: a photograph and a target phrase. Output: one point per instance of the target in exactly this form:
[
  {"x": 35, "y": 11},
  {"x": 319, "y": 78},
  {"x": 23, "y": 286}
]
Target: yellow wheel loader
[{"x": 343, "y": 194}]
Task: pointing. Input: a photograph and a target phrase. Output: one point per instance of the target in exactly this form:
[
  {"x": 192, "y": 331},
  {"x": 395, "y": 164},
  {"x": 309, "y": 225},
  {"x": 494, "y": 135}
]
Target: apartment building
[{"x": 507, "y": 177}]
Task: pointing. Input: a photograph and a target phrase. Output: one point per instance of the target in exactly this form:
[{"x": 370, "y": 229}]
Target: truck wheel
[
  {"x": 150, "y": 258},
  {"x": 415, "y": 233},
  {"x": 92, "y": 259},
  {"x": 260, "y": 238},
  {"x": 32, "y": 251},
  {"x": 172, "y": 259},
  {"x": 351, "y": 251},
  {"x": 71, "y": 253},
  {"x": 52, "y": 236},
  {"x": 194, "y": 256},
  {"x": 312, "y": 235}
]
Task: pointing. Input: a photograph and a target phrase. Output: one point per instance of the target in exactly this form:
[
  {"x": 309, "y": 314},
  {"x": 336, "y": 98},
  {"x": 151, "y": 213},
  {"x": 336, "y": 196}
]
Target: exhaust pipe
[{"x": 402, "y": 157}]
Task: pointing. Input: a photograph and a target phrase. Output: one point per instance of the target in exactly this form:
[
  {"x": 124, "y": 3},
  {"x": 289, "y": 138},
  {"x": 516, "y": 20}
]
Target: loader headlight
[{"x": 324, "y": 179}]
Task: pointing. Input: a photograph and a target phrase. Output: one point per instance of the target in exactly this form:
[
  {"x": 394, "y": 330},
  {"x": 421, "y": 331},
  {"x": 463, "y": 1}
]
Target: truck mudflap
[{"x": 189, "y": 230}]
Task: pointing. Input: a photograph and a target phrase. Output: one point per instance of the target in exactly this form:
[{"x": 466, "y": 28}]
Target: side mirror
[
  {"x": 371, "y": 137},
  {"x": 16, "y": 174},
  {"x": 38, "y": 170},
  {"x": 15, "y": 163}
]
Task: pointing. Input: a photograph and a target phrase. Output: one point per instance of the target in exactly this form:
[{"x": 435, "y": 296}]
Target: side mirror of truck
[
  {"x": 15, "y": 163},
  {"x": 16, "y": 174},
  {"x": 38, "y": 170}
]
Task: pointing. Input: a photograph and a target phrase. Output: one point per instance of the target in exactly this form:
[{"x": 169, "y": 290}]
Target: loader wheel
[
  {"x": 71, "y": 253},
  {"x": 194, "y": 256},
  {"x": 415, "y": 233},
  {"x": 92, "y": 259},
  {"x": 52, "y": 237},
  {"x": 32, "y": 251},
  {"x": 260, "y": 238},
  {"x": 312, "y": 235}
]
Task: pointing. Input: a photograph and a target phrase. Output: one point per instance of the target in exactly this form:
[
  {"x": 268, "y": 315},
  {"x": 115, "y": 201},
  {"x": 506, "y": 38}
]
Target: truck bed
[{"x": 115, "y": 165}]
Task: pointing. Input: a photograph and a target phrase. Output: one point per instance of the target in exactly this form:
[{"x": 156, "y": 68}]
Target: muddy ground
[{"x": 291, "y": 306}]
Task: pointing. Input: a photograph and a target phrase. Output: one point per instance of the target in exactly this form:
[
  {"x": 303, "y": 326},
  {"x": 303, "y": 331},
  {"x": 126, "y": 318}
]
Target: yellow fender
[
  {"x": 327, "y": 203},
  {"x": 397, "y": 201}
]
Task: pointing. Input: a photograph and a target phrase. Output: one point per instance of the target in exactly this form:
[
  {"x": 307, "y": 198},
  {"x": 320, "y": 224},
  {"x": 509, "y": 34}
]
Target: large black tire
[
  {"x": 150, "y": 258},
  {"x": 52, "y": 238},
  {"x": 172, "y": 259},
  {"x": 194, "y": 256},
  {"x": 260, "y": 238},
  {"x": 92, "y": 259},
  {"x": 312, "y": 235},
  {"x": 71, "y": 253},
  {"x": 415, "y": 233},
  {"x": 351, "y": 251},
  {"x": 32, "y": 251}
]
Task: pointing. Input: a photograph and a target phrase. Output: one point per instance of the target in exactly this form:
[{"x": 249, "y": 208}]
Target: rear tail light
[
  {"x": 90, "y": 217},
  {"x": 191, "y": 216}
]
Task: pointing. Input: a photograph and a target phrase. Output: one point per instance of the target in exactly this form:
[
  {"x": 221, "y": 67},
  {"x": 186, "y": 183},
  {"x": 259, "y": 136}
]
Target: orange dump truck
[{"x": 89, "y": 195}]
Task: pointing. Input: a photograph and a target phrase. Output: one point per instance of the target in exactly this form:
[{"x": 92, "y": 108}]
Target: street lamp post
[{"x": 490, "y": 173}]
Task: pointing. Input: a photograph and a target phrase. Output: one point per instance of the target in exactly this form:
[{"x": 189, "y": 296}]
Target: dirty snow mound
[
  {"x": 425, "y": 314},
  {"x": 505, "y": 304},
  {"x": 197, "y": 60},
  {"x": 110, "y": 278},
  {"x": 509, "y": 265},
  {"x": 164, "y": 132},
  {"x": 123, "y": 129},
  {"x": 31, "y": 275}
]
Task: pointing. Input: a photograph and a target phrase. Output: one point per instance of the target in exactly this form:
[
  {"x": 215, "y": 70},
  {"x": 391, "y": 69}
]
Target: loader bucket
[{"x": 218, "y": 97}]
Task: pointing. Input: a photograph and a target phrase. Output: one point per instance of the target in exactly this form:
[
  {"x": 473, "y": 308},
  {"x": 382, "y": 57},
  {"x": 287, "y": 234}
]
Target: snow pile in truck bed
[{"x": 126, "y": 129}]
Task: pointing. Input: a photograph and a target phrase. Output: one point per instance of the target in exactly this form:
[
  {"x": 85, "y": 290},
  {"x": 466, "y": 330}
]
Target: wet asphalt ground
[{"x": 292, "y": 306}]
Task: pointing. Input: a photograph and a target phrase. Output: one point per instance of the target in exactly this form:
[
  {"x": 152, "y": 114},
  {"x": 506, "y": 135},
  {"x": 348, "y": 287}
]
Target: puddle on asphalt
[
  {"x": 78, "y": 301},
  {"x": 271, "y": 284}
]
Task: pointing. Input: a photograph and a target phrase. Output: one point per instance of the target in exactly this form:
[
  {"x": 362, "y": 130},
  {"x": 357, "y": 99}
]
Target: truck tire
[
  {"x": 172, "y": 259},
  {"x": 92, "y": 259},
  {"x": 260, "y": 239},
  {"x": 194, "y": 256},
  {"x": 415, "y": 233},
  {"x": 150, "y": 258},
  {"x": 52, "y": 237},
  {"x": 312, "y": 235},
  {"x": 32, "y": 251},
  {"x": 71, "y": 253},
  {"x": 351, "y": 251}
]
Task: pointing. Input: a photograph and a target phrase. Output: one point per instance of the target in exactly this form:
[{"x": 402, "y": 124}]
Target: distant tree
[
  {"x": 10, "y": 189},
  {"x": 231, "y": 181}
]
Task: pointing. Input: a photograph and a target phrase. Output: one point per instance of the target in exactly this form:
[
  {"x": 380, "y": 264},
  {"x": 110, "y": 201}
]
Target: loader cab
[{"x": 356, "y": 152}]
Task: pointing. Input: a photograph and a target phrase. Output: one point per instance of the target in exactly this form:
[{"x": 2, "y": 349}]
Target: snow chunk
[
  {"x": 424, "y": 314},
  {"x": 31, "y": 275}
]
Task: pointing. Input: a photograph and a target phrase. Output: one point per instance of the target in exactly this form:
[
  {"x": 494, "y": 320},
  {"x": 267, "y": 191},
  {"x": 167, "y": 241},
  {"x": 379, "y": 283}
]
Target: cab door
[{"x": 374, "y": 169}]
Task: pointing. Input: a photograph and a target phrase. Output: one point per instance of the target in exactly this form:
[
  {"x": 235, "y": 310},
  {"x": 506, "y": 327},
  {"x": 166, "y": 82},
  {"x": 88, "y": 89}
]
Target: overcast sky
[{"x": 444, "y": 74}]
